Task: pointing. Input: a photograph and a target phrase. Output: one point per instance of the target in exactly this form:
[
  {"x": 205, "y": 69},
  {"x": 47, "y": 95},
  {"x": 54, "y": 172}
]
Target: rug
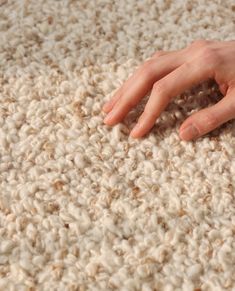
[{"x": 83, "y": 206}]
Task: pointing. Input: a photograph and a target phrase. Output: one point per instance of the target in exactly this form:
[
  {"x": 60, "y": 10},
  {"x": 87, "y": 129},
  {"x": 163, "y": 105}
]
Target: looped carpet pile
[{"x": 82, "y": 205}]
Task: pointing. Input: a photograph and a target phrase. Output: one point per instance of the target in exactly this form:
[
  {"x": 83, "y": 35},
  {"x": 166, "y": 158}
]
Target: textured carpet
[{"x": 83, "y": 206}]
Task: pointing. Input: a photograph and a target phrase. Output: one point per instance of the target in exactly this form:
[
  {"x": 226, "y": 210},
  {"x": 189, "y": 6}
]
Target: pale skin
[{"x": 168, "y": 74}]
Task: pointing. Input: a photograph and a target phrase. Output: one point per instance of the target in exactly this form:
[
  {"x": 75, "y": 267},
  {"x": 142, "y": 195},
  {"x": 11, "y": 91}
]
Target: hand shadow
[{"x": 182, "y": 106}]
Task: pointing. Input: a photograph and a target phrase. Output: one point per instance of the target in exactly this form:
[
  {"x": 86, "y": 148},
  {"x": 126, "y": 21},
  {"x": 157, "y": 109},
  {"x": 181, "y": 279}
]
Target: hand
[{"x": 171, "y": 73}]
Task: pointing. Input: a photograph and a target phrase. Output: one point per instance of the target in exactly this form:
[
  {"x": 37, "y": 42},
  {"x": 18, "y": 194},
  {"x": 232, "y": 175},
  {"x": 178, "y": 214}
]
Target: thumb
[{"x": 210, "y": 118}]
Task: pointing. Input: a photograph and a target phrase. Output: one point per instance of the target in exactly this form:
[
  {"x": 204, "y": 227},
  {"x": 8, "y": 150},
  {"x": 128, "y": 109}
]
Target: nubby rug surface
[{"x": 83, "y": 206}]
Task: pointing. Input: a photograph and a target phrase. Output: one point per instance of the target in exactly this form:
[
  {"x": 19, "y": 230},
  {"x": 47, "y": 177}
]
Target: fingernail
[
  {"x": 135, "y": 130},
  {"x": 189, "y": 132},
  {"x": 109, "y": 116},
  {"x": 106, "y": 106}
]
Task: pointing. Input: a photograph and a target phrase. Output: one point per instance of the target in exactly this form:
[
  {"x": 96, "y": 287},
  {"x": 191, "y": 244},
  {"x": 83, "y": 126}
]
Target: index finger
[{"x": 109, "y": 105}]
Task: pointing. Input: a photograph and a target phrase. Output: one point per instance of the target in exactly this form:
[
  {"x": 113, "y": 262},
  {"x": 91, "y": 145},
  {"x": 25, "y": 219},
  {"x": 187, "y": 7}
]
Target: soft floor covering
[{"x": 83, "y": 206}]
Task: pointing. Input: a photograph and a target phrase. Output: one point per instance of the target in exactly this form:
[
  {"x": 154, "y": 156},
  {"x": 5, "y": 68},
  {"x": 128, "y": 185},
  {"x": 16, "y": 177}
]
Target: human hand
[{"x": 171, "y": 73}]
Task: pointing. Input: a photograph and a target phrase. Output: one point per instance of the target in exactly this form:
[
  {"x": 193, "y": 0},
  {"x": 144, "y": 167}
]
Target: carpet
[{"x": 83, "y": 206}]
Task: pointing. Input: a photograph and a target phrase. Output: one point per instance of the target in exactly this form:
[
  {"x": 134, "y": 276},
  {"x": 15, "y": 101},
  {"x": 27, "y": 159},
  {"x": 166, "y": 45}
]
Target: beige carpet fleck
[{"x": 82, "y": 205}]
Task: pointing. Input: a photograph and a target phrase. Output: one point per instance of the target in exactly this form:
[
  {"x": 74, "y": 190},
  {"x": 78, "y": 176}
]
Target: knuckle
[
  {"x": 147, "y": 71},
  {"x": 148, "y": 113},
  {"x": 210, "y": 120},
  {"x": 158, "y": 54},
  {"x": 188, "y": 66},
  {"x": 147, "y": 67},
  {"x": 129, "y": 103},
  {"x": 210, "y": 56},
  {"x": 199, "y": 43},
  {"x": 159, "y": 87},
  {"x": 142, "y": 68},
  {"x": 232, "y": 107},
  {"x": 144, "y": 114},
  {"x": 146, "y": 64},
  {"x": 208, "y": 52}
]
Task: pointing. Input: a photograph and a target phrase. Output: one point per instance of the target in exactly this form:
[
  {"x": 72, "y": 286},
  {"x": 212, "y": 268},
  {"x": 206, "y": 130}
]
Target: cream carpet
[{"x": 83, "y": 206}]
